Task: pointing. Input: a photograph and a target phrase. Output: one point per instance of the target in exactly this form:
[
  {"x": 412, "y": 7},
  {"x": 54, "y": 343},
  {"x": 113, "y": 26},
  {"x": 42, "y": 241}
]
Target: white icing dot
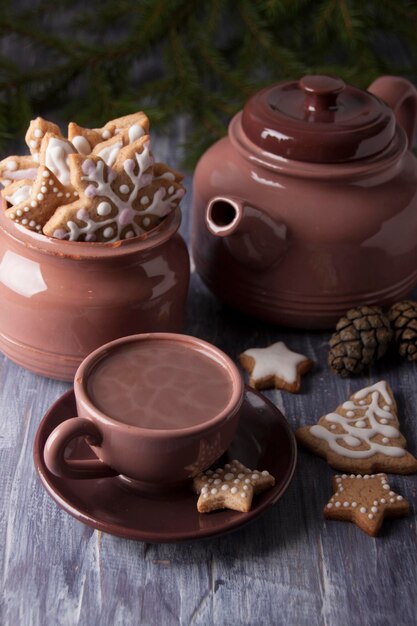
[
  {"x": 383, "y": 501},
  {"x": 247, "y": 481},
  {"x": 12, "y": 216},
  {"x": 225, "y": 487},
  {"x": 366, "y": 476},
  {"x": 392, "y": 493},
  {"x": 38, "y": 227},
  {"x": 360, "y": 424},
  {"x": 33, "y": 143},
  {"x": 329, "y": 505},
  {"x": 144, "y": 200},
  {"x": 11, "y": 165},
  {"x": 104, "y": 208},
  {"x": 383, "y": 421},
  {"x": 374, "y": 509},
  {"x": 19, "y": 213},
  {"x": 337, "y": 504},
  {"x": 76, "y": 193},
  {"x": 45, "y": 173},
  {"x": 233, "y": 490},
  {"x": 241, "y": 475},
  {"x": 229, "y": 476},
  {"x": 338, "y": 479},
  {"x": 341, "y": 488},
  {"x": 213, "y": 491},
  {"x": 171, "y": 189},
  {"x": 245, "y": 487},
  {"x": 362, "y": 402},
  {"x": 129, "y": 234},
  {"x": 333, "y": 427},
  {"x": 385, "y": 486},
  {"x": 344, "y": 475},
  {"x": 370, "y": 516},
  {"x": 44, "y": 189},
  {"x": 38, "y": 133},
  {"x": 243, "y": 495},
  {"x": 67, "y": 195},
  {"x": 354, "y": 504},
  {"x": 217, "y": 481},
  {"x": 350, "y": 413},
  {"x": 106, "y": 134},
  {"x": 236, "y": 481},
  {"x": 205, "y": 495},
  {"x": 24, "y": 221},
  {"x": 399, "y": 498},
  {"x": 204, "y": 489},
  {"x": 60, "y": 194},
  {"x": 375, "y": 502},
  {"x": 146, "y": 221},
  {"x": 32, "y": 223},
  {"x": 386, "y": 407},
  {"x": 362, "y": 509},
  {"x": 124, "y": 189},
  {"x": 33, "y": 203},
  {"x": 345, "y": 504},
  {"x": 26, "y": 209},
  {"x": 40, "y": 196},
  {"x": 50, "y": 182},
  {"x": 108, "y": 232},
  {"x": 55, "y": 189},
  {"x": 385, "y": 440},
  {"x": 392, "y": 499},
  {"x": 255, "y": 476}
]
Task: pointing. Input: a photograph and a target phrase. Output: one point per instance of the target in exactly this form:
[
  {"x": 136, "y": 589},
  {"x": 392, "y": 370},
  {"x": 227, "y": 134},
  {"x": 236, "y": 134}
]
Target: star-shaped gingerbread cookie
[
  {"x": 365, "y": 501},
  {"x": 230, "y": 487},
  {"x": 275, "y": 366}
]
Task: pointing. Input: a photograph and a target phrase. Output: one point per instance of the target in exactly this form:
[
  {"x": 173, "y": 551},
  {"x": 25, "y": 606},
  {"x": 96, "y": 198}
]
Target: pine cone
[
  {"x": 362, "y": 336},
  {"x": 403, "y": 318}
]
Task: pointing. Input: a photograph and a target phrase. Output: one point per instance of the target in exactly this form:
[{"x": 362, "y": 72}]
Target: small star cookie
[
  {"x": 232, "y": 487},
  {"x": 365, "y": 501},
  {"x": 275, "y": 366},
  {"x": 361, "y": 435}
]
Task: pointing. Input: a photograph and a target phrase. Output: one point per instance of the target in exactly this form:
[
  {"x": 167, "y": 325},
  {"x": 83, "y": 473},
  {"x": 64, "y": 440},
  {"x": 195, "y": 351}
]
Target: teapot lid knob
[{"x": 321, "y": 92}]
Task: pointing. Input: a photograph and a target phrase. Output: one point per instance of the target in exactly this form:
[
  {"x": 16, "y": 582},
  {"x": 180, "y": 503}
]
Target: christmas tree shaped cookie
[{"x": 362, "y": 435}]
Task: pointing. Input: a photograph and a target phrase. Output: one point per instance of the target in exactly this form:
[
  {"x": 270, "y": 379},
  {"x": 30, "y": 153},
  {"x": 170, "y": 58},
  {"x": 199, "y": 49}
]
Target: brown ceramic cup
[{"x": 147, "y": 457}]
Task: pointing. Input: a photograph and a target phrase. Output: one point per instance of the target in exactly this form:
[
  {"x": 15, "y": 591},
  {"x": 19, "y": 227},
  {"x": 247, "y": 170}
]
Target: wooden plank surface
[{"x": 290, "y": 567}]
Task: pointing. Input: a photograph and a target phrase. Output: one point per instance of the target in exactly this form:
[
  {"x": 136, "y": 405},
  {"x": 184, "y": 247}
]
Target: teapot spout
[
  {"x": 252, "y": 237},
  {"x": 224, "y": 215}
]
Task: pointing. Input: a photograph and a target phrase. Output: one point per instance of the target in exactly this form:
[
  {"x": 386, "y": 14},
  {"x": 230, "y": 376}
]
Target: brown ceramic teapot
[{"x": 309, "y": 205}]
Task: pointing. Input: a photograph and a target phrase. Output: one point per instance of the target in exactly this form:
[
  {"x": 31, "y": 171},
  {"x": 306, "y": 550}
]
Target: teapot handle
[{"x": 401, "y": 96}]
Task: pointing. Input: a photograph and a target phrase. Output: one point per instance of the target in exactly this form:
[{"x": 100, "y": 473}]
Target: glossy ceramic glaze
[
  {"x": 297, "y": 242},
  {"x": 60, "y": 300},
  {"x": 263, "y": 440},
  {"x": 147, "y": 458}
]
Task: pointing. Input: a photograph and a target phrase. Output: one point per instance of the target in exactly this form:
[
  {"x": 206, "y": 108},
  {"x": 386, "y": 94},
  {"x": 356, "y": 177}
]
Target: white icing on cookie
[
  {"x": 81, "y": 144},
  {"x": 275, "y": 360},
  {"x": 56, "y": 158},
  {"x": 28, "y": 173},
  {"x": 135, "y": 132},
  {"x": 109, "y": 153},
  {"x": 354, "y": 435},
  {"x": 20, "y": 195}
]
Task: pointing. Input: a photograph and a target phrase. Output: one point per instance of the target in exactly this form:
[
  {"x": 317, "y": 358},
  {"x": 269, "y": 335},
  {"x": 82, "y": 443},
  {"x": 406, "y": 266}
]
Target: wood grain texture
[{"x": 288, "y": 568}]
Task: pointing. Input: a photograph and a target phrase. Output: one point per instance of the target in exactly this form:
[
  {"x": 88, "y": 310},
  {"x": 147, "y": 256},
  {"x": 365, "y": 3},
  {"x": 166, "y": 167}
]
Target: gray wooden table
[{"x": 290, "y": 567}]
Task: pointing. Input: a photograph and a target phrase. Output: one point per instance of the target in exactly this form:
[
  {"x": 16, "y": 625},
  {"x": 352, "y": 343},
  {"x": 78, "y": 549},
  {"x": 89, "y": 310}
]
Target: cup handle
[{"x": 57, "y": 442}]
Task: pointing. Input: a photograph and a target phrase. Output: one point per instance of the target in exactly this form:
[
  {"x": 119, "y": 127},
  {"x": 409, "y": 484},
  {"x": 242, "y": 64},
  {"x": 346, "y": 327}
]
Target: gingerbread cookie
[
  {"x": 365, "y": 501},
  {"x": 14, "y": 168},
  {"x": 36, "y": 132},
  {"x": 231, "y": 487},
  {"x": 46, "y": 194},
  {"x": 362, "y": 435},
  {"x": 17, "y": 192},
  {"x": 275, "y": 366},
  {"x": 114, "y": 203},
  {"x": 54, "y": 154}
]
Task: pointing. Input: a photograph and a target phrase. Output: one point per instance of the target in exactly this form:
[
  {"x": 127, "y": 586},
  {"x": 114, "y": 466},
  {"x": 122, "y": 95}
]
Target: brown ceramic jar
[
  {"x": 60, "y": 300},
  {"x": 309, "y": 206}
]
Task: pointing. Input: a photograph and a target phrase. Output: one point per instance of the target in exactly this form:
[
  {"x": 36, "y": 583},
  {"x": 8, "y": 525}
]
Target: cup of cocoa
[{"x": 156, "y": 409}]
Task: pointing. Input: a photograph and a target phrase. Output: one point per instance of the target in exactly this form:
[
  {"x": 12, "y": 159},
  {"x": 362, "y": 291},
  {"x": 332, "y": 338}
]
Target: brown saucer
[{"x": 263, "y": 441}]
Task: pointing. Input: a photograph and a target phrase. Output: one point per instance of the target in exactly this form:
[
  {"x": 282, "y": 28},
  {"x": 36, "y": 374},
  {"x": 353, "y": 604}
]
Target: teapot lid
[{"x": 318, "y": 119}]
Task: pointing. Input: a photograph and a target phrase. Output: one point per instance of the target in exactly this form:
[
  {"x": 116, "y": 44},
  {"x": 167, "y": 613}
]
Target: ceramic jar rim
[
  {"x": 234, "y": 404},
  {"x": 78, "y": 250}
]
